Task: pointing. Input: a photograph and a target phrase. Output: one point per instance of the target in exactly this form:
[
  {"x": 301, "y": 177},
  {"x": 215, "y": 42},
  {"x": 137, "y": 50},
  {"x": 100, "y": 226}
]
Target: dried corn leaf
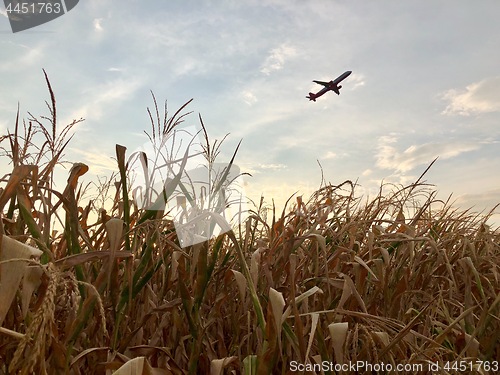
[
  {"x": 300, "y": 298},
  {"x": 114, "y": 228},
  {"x": 277, "y": 304},
  {"x": 217, "y": 365},
  {"x": 338, "y": 334},
  {"x": 242, "y": 283},
  {"x": 31, "y": 281},
  {"x": 254, "y": 265},
  {"x": 12, "y": 272},
  {"x": 383, "y": 337},
  {"x": 136, "y": 366},
  {"x": 362, "y": 263},
  {"x": 315, "y": 319}
]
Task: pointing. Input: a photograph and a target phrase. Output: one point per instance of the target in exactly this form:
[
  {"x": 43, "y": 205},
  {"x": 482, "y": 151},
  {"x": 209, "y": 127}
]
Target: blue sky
[{"x": 425, "y": 83}]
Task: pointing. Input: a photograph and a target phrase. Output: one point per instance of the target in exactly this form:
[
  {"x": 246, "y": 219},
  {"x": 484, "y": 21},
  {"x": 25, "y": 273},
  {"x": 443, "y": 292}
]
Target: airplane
[{"x": 332, "y": 85}]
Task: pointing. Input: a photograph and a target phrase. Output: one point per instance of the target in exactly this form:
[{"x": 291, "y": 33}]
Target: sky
[{"x": 425, "y": 84}]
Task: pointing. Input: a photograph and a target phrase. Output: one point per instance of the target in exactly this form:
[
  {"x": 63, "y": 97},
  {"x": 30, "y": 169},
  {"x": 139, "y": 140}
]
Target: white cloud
[
  {"x": 248, "y": 97},
  {"x": 356, "y": 80},
  {"x": 389, "y": 157},
  {"x": 99, "y": 162},
  {"x": 277, "y": 58},
  {"x": 97, "y": 24},
  {"x": 480, "y": 97},
  {"x": 330, "y": 155},
  {"x": 272, "y": 166},
  {"x": 100, "y": 97},
  {"x": 483, "y": 200},
  {"x": 29, "y": 57},
  {"x": 115, "y": 69},
  {"x": 254, "y": 169}
]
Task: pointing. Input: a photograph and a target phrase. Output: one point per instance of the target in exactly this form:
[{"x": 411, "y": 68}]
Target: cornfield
[{"x": 402, "y": 279}]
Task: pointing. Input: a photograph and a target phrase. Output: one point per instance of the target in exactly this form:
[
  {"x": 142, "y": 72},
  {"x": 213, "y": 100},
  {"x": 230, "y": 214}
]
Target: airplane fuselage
[{"x": 329, "y": 86}]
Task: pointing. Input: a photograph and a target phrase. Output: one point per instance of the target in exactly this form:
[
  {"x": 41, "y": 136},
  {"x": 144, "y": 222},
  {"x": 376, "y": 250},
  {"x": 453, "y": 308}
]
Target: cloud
[
  {"x": 115, "y": 69},
  {"x": 484, "y": 203},
  {"x": 27, "y": 57},
  {"x": 481, "y": 200},
  {"x": 272, "y": 166},
  {"x": 389, "y": 157},
  {"x": 330, "y": 155},
  {"x": 480, "y": 97},
  {"x": 357, "y": 80},
  {"x": 249, "y": 98},
  {"x": 97, "y": 24},
  {"x": 277, "y": 58},
  {"x": 101, "y": 96},
  {"x": 254, "y": 169},
  {"x": 99, "y": 162}
]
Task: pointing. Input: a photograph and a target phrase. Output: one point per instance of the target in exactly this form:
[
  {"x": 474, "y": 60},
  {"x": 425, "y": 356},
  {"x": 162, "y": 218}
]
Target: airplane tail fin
[{"x": 311, "y": 97}]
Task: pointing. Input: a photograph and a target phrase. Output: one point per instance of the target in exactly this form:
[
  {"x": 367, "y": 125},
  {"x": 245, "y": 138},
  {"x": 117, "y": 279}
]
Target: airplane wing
[{"x": 322, "y": 83}]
